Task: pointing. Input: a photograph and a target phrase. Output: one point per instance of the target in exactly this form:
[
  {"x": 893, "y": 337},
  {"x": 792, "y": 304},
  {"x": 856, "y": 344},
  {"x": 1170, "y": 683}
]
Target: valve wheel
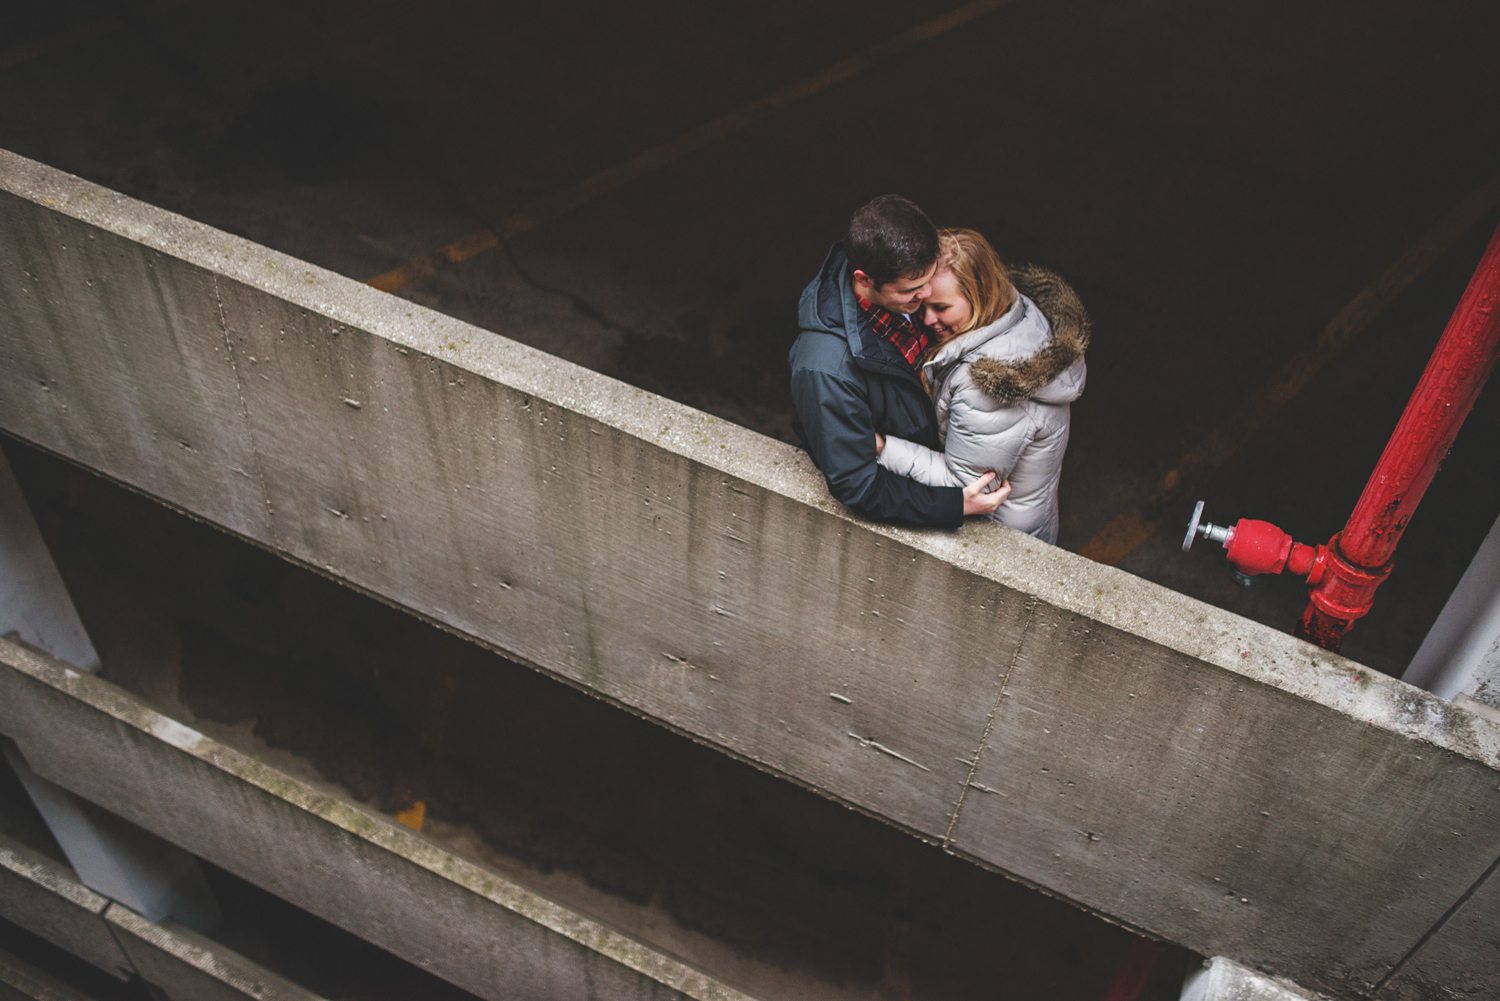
[{"x": 1187, "y": 542}]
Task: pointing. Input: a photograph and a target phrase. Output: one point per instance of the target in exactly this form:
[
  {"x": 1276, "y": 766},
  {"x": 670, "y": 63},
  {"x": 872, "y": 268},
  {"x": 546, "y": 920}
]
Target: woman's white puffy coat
[{"x": 1002, "y": 395}]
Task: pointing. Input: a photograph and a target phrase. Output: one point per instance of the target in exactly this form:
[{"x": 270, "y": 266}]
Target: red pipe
[
  {"x": 1342, "y": 576},
  {"x": 1135, "y": 970},
  {"x": 1360, "y": 555}
]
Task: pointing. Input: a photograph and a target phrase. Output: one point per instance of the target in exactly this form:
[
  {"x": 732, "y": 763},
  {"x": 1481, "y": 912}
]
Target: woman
[{"x": 1007, "y": 363}]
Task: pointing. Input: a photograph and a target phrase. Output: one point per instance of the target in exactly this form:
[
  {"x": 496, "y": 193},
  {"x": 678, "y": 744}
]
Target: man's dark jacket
[{"x": 847, "y": 384}]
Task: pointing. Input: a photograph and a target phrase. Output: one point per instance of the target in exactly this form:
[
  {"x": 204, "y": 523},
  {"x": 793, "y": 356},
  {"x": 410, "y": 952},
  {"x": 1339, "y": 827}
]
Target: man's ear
[{"x": 861, "y": 279}]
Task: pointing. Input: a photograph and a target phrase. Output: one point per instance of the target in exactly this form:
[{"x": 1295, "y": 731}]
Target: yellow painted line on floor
[
  {"x": 56, "y": 43},
  {"x": 544, "y": 210},
  {"x": 70, "y": 37},
  {"x": 1135, "y": 526},
  {"x": 413, "y": 815}
]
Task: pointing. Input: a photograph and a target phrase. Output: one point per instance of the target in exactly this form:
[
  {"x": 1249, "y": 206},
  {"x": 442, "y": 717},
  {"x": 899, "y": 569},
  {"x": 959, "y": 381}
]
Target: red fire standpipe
[{"x": 1343, "y": 575}]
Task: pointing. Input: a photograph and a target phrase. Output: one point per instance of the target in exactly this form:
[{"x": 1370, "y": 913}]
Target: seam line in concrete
[
  {"x": 1126, "y": 531},
  {"x": 543, "y": 210},
  {"x": 1441, "y": 922},
  {"x": 114, "y": 934},
  {"x": 989, "y": 723},
  {"x": 239, "y": 388}
]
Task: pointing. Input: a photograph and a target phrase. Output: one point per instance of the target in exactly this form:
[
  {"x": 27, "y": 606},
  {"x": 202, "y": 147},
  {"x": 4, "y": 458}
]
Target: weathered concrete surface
[
  {"x": 189, "y": 967},
  {"x": 45, "y": 898},
  {"x": 353, "y": 867},
  {"x": 118, "y": 859},
  {"x": 1176, "y": 767},
  {"x": 1225, "y": 980},
  {"x": 20, "y": 981},
  {"x": 1461, "y": 957}
]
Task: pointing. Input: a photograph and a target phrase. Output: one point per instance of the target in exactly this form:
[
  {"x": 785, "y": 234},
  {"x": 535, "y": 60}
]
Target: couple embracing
[{"x": 931, "y": 382}]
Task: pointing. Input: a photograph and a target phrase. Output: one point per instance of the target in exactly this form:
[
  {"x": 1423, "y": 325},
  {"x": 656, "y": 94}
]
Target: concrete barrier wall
[
  {"x": 187, "y": 966},
  {"x": 20, "y": 981},
  {"x": 355, "y": 868},
  {"x": 1459, "y": 954},
  {"x": 1170, "y": 765},
  {"x": 47, "y": 899}
]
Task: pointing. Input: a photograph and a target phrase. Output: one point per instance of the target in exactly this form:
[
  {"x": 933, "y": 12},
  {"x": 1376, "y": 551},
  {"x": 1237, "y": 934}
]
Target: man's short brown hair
[{"x": 890, "y": 238}]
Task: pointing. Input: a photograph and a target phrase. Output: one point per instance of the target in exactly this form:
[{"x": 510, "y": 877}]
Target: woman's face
[{"x": 946, "y": 311}]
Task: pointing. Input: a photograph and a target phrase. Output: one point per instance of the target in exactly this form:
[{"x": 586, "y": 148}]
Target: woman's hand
[
  {"x": 976, "y": 501},
  {"x": 879, "y": 443}
]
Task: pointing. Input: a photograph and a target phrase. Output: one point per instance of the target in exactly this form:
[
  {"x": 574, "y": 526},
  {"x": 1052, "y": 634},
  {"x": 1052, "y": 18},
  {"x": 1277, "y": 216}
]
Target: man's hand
[
  {"x": 976, "y": 501},
  {"x": 879, "y": 443}
]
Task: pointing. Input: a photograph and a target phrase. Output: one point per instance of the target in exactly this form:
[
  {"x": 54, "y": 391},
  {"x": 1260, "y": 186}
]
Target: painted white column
[
  {"x": 1223, "y": 979},
  {"x": 1460, "y": 658},
  {"x": 112, "y": 856},
  {"x": 34, "y": 602}
]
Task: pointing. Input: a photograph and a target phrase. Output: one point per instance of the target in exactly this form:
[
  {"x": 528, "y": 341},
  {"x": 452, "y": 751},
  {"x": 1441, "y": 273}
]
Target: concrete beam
[
  {"x": 20, "y": 981},
  {"x": 118, "y": 859},
  {"x": 187, "y": 966},
  {"x": 1178, "y": 768},
  {"x": 1458, "y": 958},
  {"x": 49, "y": 901},
  {"x": 112, "y": 857},
  {"x": 349, "y": 865}
]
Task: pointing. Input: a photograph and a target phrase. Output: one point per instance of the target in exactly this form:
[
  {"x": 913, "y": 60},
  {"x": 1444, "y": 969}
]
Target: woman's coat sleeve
[{"x": 907, "y": 458}]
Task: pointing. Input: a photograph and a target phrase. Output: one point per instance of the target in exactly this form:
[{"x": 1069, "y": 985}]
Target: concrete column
[
  {"x": 115, "y": 858},
  {"x": 1460, "y": 658},
  {"x": 112, "y": 856},
  {"x": 34, "y": 603},
  {"x": 1223, "y": 979}
]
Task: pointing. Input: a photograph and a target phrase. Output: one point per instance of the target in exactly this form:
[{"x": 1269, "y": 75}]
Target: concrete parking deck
[{"x": 1150, "y": 757}]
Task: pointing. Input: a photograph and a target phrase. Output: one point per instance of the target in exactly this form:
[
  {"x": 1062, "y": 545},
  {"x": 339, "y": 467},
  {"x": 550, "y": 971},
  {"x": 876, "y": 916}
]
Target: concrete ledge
[
  {"x": 189, "y": 967},
  {"x": 20, "y": 981},
  {"x": 1225, "y": 980},
  {"x": 46, "y": 898},
  {"x": 356, "y": 868},
  {"x": 1173, "y": 766}
]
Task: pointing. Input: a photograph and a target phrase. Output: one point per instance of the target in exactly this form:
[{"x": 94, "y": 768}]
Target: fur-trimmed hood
[
  {"x": 1026, "y": 353},
  {"x": 1001, "y": 396}
]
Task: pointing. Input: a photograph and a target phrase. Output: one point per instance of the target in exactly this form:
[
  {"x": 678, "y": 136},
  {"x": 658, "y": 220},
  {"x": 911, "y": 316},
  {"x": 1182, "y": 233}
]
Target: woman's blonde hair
[{"x": 982, "y": 279}]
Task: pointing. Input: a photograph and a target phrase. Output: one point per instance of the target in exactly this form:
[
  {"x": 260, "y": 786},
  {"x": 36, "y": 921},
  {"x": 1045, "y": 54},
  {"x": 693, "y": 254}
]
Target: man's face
[{"x": 904, "y": 295}]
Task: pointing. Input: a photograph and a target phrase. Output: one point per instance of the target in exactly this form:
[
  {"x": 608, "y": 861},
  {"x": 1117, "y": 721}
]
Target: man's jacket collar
[{"x": 838, "y": 311}]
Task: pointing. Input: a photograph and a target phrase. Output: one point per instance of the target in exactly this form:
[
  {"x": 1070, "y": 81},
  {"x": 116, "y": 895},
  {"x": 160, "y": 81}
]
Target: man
[{"x": 854, "y": 368}]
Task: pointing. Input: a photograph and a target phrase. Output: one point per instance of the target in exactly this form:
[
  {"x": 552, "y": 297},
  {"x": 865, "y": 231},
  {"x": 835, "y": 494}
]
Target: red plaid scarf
[{"x": 908, "y": 337}]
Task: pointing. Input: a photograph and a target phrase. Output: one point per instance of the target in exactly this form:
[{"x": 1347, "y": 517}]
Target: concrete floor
[{"x": 1218, "y": 181}]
